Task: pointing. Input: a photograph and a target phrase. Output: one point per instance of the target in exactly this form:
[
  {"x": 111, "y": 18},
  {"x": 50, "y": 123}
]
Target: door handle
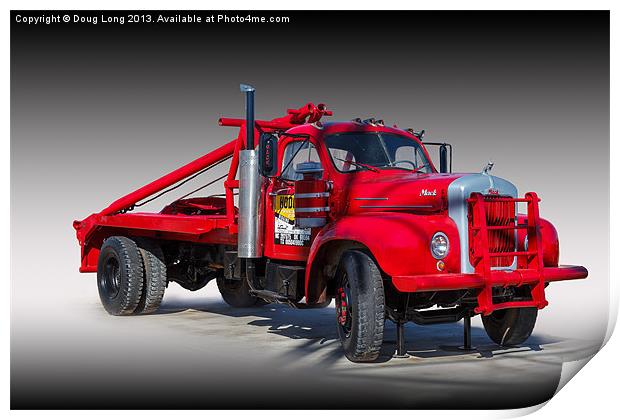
[{"x": 273, "y": 194}]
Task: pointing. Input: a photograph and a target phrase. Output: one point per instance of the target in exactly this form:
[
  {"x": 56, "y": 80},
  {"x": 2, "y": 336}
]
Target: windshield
[{"x": 352, "y": 151}]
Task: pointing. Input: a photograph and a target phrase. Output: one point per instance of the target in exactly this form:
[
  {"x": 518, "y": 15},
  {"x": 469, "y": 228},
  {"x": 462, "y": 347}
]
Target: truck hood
[{"x": 401, "y": 191}]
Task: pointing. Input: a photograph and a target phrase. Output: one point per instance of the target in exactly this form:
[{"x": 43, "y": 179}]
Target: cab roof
[{"x": 333, "y": 127}]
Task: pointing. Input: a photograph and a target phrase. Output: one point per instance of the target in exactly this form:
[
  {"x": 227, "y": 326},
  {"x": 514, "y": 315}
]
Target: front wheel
[
  {"x": 510, "y": 327},
  {"x": 360, "y": 307}
]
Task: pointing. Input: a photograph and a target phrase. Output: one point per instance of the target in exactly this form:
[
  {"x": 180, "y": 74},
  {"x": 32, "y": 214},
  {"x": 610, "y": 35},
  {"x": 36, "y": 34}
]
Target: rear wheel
[
  {"x": 237, "y": 293},
  {"x": 120, "y": 275},
  {"x": 360, "y": 307},
  {"x": 155, "y": 279},
  {"x": 510, "y": 327}
]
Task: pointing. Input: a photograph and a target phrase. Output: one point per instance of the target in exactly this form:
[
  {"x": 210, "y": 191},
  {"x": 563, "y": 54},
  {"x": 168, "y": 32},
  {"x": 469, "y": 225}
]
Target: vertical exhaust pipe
[
  {"x": 249, "y": 115},
  {"x": 250, "y": 240}
]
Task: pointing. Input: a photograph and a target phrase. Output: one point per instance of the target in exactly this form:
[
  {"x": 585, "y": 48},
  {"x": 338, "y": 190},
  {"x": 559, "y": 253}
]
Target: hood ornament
[{"x": 487, "y": 168}]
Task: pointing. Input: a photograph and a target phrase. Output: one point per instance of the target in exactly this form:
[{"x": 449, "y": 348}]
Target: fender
[
  {"x": 550, "y": 241},
  {"x": 399, "y": 243}
]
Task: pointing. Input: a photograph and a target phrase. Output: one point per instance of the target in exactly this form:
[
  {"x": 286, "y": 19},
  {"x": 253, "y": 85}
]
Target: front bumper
[
  {"x": 498, "y": 278},
  {"x": 458, "y": 281}
]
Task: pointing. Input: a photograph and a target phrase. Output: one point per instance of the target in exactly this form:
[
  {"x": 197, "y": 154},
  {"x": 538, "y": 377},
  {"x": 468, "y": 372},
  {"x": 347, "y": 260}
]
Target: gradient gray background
[{"x": 97, "y": 111}]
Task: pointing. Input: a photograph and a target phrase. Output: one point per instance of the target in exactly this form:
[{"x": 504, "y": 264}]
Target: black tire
[
  {"x": 360, "y": 292},
  {"x": 120, "y": 275},
  {"x": 510, "y": 327},
  {"x": 237, "y": 293},
  {"x": 155, "y": 278}
]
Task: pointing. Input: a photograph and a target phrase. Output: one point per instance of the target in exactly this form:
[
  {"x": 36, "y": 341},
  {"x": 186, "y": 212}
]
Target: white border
[{"x": 592, "y": 391}]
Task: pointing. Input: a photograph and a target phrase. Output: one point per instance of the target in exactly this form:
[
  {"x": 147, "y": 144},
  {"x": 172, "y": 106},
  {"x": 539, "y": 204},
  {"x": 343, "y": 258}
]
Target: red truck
[{"x": 352, "y": 211}]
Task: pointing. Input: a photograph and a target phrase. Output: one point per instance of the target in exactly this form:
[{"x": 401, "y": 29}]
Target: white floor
[{"x": 199, "y": 352}]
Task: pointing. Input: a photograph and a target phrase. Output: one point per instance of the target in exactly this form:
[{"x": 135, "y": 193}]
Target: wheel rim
[
  {"x": 344, "y": 310},
  {"x": 111, "y": 278}
]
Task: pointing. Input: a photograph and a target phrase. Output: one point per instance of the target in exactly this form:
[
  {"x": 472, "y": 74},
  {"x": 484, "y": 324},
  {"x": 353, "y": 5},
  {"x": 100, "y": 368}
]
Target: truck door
[{"x": 283, "y": 239}]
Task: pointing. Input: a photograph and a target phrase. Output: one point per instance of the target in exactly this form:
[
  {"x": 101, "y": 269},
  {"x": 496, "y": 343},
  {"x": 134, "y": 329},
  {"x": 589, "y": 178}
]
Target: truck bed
[{"x": 211, "y": 229}]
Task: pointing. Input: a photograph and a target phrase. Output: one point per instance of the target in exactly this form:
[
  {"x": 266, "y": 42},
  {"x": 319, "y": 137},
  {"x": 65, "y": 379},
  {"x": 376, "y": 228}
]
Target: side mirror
[
  {"x": 445, "y": 163},
  {"x": 268, "y": 154},
  {"x": 443, "y": 159}
]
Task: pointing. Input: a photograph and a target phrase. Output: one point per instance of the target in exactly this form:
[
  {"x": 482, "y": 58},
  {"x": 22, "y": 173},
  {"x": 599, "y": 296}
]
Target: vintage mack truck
[{"x": 355, "y": 212}]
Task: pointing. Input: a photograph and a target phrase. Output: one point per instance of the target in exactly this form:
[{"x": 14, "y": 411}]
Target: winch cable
[
  {"x": 261, "y": 132},
  {"x": 185, "y": 181},
  {"x": 204, "y": 186}
]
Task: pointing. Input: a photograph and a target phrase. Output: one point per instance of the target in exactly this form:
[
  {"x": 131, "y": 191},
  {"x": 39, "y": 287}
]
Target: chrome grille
[{"x": 500, "y": 213}]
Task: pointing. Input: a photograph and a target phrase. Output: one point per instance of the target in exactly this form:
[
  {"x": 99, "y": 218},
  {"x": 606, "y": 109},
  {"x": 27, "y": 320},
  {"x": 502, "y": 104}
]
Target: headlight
[{"x": 440, "y": 245}]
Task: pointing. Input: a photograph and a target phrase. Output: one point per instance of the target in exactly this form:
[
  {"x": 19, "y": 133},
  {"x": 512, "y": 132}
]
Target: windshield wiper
[
  {"x": 359, "y": 165},
  {"x": 396, "y": 167},
  {"x": 417, "y": 170}
]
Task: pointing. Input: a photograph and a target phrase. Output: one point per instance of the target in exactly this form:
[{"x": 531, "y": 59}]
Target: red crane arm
[{"x": 170, "y": 178}]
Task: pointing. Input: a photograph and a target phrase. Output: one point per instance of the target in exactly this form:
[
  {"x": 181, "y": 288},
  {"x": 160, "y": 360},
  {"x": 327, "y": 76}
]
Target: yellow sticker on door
[
  {"x": 285, "y": 231},
  {"x": 285, "y": 207}
]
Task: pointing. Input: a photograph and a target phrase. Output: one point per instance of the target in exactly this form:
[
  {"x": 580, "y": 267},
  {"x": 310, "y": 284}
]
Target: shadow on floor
[{"x": 318, "y": 327}]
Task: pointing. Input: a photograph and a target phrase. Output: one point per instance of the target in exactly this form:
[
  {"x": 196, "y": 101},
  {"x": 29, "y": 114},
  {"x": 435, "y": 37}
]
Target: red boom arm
[
  {"x": 170, "y": 179},
  {"x": 308, "y": 113}
]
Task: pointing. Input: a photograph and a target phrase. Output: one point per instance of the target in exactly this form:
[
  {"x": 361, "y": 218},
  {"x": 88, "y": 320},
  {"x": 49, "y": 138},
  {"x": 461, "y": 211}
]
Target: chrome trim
[
  {"x": 440, "y": 233},
  {"x": 312, "y": 195},
  {"x": 250, "y": 234},
  {"x": 459, "y": 191},
  {"x": 311, "y": 209}
]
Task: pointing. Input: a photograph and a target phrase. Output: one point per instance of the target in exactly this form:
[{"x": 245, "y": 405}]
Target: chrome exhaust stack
[{"x": 250, "y": 235}]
